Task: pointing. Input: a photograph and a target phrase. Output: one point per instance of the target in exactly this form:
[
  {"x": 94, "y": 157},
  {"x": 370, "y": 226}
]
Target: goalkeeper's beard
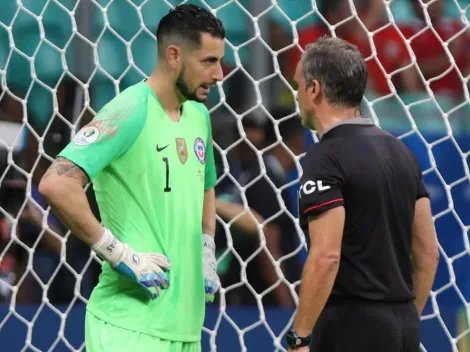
[{"x": 184, "y": 89}]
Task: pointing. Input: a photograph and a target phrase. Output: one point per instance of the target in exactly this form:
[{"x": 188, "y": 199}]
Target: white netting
[{"x": 60, "y": 60}]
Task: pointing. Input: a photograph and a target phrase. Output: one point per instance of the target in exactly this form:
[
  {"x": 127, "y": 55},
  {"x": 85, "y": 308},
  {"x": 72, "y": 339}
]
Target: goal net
[{"x": 62, "y": 60}]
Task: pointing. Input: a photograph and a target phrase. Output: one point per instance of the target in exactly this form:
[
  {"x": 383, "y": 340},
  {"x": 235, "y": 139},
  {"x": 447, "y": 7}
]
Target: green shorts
[{"x": 103, "y": 337}]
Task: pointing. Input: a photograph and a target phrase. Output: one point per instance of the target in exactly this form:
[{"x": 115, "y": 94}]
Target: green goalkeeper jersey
[{"x": 149, "y": 174}]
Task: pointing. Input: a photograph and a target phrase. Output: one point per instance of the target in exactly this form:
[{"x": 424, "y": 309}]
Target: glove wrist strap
[
  {"x": 208, "y": 242},
  {"x": 109, "y": 247}
]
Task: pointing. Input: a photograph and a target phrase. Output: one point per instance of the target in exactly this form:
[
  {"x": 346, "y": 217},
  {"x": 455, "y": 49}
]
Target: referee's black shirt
[{"x": 378, "y": 180}]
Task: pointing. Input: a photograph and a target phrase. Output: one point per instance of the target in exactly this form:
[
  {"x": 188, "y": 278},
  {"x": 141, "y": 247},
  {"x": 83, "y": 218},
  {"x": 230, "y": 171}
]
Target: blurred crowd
[{"x": 413, "y": 52}]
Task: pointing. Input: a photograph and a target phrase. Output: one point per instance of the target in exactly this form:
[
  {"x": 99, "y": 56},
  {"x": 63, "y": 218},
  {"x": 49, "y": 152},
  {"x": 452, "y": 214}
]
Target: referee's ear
[{"x": 314, "y": 91}]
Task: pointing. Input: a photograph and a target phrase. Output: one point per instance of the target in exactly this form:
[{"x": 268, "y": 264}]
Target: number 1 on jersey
[{"x": 167, "y": 172}]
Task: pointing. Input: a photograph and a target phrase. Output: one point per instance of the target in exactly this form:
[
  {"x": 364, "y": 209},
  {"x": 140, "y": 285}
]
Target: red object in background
[
  {"x": 392, "y": 54},
  {"x": 307, "y": 36},
  {"x": 7, "y": 263},
  {"x": 390, "y": 47},
  {"x": 430, "y": 46}
]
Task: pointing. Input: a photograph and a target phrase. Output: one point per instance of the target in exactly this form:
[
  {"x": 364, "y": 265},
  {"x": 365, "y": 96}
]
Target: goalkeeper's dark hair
[
  {"x": 339, "y": 67},
  {"x": 187, "y": 23}
]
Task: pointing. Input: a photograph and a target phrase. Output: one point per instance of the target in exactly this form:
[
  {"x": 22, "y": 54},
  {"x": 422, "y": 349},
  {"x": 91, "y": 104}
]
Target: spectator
[
  {"x": 280, "y": 159},
  {"x": 11, "y": 198},
  {"x": 292, "y": 135},
  {"x": 392, "y": 52},
  {"x": 26, "y": 221},
  {"x": 46, "y": 243},
  {"x": 47, "y": 262},
  {"x": 246, "y": 221},
  {"x": 262, "y": 198},
  {"x": 8, "y": 263},
  {"x": 46, "y": 247},
  {"x": 12, "y": 189},
  {"x": 280, "y": 28},
  {"x": 428, "y": 47},
  {"x": 20, "y": 217}
]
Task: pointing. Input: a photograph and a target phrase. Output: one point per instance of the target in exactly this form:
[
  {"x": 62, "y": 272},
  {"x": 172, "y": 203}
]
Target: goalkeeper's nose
[{"x": 218, "y": 74}]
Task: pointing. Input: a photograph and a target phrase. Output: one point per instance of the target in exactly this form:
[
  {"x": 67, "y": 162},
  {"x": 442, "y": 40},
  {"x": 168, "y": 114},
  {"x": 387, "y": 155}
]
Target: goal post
[{"x": 62, "y": 60}]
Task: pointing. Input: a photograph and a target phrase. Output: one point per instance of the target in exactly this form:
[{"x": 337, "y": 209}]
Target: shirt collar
[{"x": 350, "y": 121}]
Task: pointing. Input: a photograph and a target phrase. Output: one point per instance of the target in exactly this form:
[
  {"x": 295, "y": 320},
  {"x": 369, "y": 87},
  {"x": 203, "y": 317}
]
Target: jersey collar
[{"x": 351, "y": 121}]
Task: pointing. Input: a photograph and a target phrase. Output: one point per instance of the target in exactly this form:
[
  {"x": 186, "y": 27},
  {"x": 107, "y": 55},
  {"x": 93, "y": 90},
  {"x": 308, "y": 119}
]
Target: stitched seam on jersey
[{"x": 323, "y": 204}]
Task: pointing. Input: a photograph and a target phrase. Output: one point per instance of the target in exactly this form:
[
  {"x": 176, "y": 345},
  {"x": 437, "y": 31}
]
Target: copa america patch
[
  {"x": 86, "y": 135},
  {"x": 200, "y": 150}
]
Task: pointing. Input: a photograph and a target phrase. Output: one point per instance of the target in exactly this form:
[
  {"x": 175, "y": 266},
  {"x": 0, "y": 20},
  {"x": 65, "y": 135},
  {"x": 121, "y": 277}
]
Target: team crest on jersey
[
  {"x": 87, "y": 135},
  {"x": 200, "y": 150},
  {"x": 181, "y": 150}
]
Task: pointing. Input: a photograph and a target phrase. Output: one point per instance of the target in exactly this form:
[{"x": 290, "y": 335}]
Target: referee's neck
[{"x": 333, "y": 116}]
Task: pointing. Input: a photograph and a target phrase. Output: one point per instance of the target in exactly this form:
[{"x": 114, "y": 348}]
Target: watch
[{"x": 295, "y": 341}]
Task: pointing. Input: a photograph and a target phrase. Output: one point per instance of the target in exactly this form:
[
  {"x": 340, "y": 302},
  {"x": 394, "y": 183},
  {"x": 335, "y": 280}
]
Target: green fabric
[
  {"x": 149, "y": 176},
  {"x": 211, "y": 174},
  {"x": 111, "y": 133},
  {"x": 103, "y": 337}
]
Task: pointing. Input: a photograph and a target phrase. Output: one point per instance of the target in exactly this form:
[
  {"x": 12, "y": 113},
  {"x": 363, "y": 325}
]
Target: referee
[{"x": 373, "y": 252}]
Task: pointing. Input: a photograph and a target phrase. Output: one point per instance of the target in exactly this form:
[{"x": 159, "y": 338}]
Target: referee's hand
[{"x": 300, "y": 349}]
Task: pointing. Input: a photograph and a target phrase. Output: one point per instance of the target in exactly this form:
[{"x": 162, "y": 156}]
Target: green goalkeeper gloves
[{"x": 146, "y": 269}]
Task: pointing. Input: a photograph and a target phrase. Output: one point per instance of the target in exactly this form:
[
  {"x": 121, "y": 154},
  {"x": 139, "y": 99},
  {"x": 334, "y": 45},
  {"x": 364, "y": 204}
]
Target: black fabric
[
  {"x": 377, "y": 179},
  {"x": 352, "y": 326}
]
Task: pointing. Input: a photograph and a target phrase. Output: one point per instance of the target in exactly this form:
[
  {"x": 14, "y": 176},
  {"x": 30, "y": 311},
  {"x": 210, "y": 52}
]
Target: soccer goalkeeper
[{"x": 149, "y": 155}]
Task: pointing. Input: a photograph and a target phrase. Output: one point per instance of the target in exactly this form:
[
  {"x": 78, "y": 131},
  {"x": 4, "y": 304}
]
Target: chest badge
[
  {"x": 200, "y": 150},
  {"x": 181, "y": 150}
]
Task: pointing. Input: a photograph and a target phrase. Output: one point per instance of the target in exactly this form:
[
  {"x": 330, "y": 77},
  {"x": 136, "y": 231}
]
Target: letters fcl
[{"x": 311, "y": 186}]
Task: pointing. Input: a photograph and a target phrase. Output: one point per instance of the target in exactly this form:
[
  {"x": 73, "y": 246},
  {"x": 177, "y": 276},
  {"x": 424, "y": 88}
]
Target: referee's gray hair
[{"x": 339, "y": 67}]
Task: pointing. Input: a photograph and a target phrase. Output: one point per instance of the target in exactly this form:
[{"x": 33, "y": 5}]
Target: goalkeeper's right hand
[{"x": 147, "y": 269}]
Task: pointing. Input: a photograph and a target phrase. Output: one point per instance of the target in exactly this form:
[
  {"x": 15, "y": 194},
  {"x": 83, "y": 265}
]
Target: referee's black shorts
[{"x": 359, "y": 326}]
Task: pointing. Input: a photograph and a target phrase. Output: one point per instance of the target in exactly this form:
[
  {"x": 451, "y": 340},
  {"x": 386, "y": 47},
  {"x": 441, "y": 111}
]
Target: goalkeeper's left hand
[{"x": 211, "y": 279}]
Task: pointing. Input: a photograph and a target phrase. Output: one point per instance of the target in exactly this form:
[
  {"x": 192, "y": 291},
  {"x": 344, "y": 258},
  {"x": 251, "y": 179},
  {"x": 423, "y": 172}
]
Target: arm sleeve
[
  {"x": 210, "y": 177},
  {"x": 321, "y": 185},
  {"x": 422, "y": 190},
  {"x": 107, "y": 137}
]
